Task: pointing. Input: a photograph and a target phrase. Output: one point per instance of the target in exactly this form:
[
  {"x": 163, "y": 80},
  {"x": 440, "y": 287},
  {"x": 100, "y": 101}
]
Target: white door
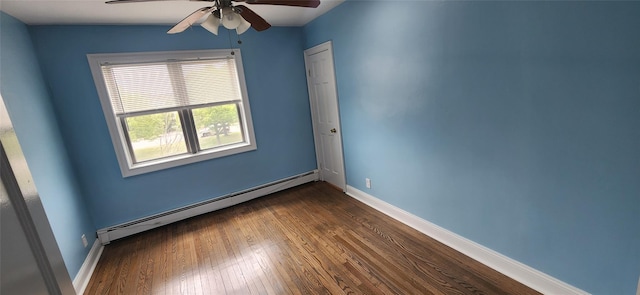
[{"x": 323, "y": 94}]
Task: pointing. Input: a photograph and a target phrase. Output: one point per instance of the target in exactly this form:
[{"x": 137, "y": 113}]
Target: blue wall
[
  {"x": 26, "y": 96},
  {"x": 513, "y": 124},
  {"x": 274, "y": 71}
]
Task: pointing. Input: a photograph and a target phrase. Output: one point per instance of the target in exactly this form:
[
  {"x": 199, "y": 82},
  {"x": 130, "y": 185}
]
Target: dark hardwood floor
[{"x": 311, "y": 239}]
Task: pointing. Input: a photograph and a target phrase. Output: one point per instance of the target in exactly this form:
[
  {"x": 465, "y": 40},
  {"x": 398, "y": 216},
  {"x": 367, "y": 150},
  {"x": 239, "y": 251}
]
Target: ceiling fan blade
[
  {"x": 300, "y": 3},
  {"x": 190, "y": 20},
  {"x": 257, "y": 22}
]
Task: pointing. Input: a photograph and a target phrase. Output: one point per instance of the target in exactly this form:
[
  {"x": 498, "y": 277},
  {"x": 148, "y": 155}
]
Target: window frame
[{"x": 120, "y": 138}]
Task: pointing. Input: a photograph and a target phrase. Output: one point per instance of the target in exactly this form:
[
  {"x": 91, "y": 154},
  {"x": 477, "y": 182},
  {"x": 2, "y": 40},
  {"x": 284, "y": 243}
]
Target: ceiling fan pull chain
[{"x": 230, "y": 44}]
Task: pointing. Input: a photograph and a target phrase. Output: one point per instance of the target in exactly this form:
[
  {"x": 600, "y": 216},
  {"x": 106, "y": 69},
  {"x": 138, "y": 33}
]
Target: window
[{"x": 166, "y": 109}]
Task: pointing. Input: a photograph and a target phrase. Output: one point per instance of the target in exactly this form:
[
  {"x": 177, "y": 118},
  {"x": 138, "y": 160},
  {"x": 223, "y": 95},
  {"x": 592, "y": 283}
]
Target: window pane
[
  {"x": 156, "y": 136},
  {"x": 218, "y": 126}
]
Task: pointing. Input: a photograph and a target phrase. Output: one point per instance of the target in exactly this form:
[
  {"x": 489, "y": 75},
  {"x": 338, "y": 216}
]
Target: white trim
[
  {"x": 529, "y": 276},
  {"x": 106, "y": 235},
  {"x": 638, "y": 290},
  {"x": 81, "y": 280}
]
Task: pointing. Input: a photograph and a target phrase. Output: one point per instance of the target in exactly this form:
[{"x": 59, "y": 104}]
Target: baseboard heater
[{"x": 106, "y": 235}]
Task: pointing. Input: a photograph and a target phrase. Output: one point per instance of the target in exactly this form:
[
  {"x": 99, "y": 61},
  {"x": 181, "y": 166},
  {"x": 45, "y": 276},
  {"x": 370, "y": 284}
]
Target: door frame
[
  {"x": 326, "y": 46},
  {"x": 30, "y": 214}
]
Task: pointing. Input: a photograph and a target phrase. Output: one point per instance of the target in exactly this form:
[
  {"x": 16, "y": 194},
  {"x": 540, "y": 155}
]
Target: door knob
[{"x": 333, "y": 130}]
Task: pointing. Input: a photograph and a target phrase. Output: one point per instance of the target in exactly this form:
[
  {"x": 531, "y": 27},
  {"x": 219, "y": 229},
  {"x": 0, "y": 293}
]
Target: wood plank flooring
[{"x": 310, "y": 239}]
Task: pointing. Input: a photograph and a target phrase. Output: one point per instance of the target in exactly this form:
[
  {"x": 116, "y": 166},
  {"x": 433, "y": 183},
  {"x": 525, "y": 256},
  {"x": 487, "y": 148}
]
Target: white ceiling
[{"x": 47, "y": 12}]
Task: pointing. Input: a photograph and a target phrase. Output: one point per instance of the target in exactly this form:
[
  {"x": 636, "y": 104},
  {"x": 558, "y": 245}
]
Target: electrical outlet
[
  {"x": 367, "y": 182},
  {"x": 84, "y": 241}
]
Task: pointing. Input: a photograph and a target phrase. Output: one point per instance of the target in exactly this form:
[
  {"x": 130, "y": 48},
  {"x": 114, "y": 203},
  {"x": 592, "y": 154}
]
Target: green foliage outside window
[
  {"x": 149, "y": 127},
  {"x": 210, "y": 116}
]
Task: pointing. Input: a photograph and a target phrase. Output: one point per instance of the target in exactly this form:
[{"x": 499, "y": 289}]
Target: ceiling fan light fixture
[
  {"x": 230, "y": 19},
  {"x": 244, "y": 26},
  {"x": 211, "y": 24}
]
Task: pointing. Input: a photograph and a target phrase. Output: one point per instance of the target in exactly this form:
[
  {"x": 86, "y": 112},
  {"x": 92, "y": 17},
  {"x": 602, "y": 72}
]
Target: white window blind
[{"x": 142, "y": 87}]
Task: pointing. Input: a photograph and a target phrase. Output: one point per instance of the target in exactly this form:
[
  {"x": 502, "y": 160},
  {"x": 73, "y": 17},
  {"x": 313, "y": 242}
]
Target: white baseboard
[
  {"x": 81, "y": 280},
  {"x": 106, "y": 235},
  {"x": 520, "y": 272}
]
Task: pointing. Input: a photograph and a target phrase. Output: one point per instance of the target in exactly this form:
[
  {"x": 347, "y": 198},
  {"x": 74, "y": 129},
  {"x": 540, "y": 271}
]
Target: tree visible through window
[
  {"x": 156, "y": 136},
  {"x": 163, "y": 108},
  {"x": 217, "y": 125}
]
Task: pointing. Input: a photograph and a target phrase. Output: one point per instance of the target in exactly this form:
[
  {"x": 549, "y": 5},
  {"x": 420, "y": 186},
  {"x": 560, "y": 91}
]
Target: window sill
[{"x": 184, "y": 159}]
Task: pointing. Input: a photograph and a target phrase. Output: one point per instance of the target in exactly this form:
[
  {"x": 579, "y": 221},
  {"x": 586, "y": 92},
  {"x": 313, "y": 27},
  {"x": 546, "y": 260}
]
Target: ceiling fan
[{"x": 238, "y": 17}]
